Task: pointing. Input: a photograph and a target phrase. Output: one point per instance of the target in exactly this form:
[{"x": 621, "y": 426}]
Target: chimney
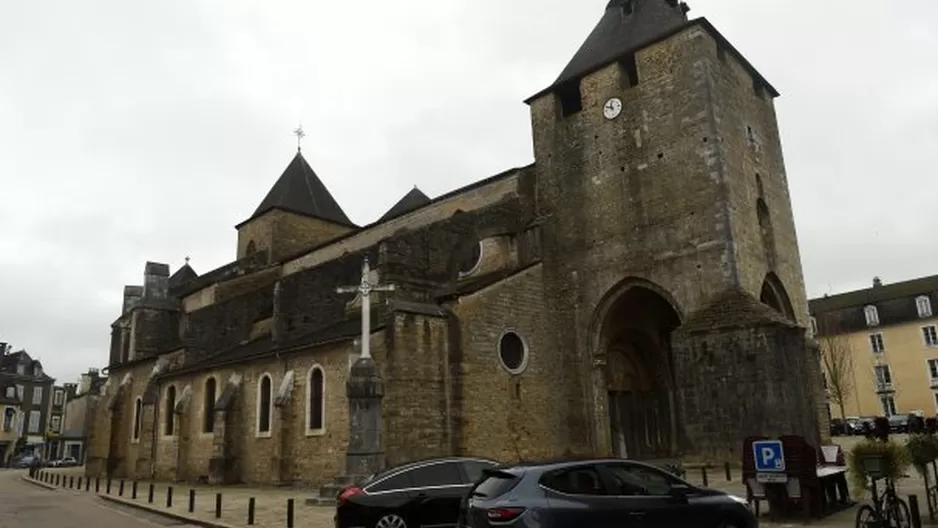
[
  {"x": 877, "y": 282},
  {"x": 132, "y": 294},
  {"x": 156, "y": 280}
]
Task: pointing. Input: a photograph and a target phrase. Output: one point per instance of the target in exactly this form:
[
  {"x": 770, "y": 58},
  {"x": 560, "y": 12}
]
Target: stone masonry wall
[
  {"x": 508, "y": 416},
  {"x": 312, "y": 457},
  {"x": 745, "y": 382},
  {"x": 633, "y": 197},
  {"x": 416, "y": 410}
]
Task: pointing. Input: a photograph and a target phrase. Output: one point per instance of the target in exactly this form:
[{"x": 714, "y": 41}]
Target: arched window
[
  {"x": 923, "y": 304},
  {"x": 264, "y": 401},
  {"x": 252, "y": 248},
  {"x": 208, "y": 408},
  {"x": 170, "y": 419},
  {"x": 9, "y": 414},
  {"x": 872, "y": 315},
  {"x": 138, "y": 409},
  {"x": 316, "y": 401}
]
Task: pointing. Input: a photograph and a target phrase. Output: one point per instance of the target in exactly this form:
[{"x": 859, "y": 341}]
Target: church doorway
[{"x": 636, "y": 334}]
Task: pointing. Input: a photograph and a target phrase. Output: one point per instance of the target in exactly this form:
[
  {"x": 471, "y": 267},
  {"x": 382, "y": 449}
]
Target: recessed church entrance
[{"x": 639, "y": 374}]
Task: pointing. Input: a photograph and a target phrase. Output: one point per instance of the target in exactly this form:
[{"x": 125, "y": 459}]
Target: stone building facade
[{"x": 636, "y": 291}]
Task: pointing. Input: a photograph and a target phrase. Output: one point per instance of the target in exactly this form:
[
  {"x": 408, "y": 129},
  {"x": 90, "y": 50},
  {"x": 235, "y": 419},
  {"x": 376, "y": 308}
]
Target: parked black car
[
  {"x": 425, "y": 493},
  {"x": 603, "y": 493}
]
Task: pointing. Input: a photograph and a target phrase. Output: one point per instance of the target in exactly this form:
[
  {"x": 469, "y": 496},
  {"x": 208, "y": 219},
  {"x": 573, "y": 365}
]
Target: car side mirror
[{"x": 680, "y": 492}]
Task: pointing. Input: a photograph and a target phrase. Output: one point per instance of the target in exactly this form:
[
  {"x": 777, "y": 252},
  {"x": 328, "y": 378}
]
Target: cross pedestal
[{"x": 365, "y": 390}]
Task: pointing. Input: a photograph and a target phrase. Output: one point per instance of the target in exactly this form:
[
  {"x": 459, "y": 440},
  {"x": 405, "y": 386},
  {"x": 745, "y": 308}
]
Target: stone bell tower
[{"x": 669, "y": 242}]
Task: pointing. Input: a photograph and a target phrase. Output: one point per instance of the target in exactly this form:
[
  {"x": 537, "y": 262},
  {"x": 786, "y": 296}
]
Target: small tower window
[
  {"x": 571, "y": 100},
  {"x": 629, "y": 71},
  {"x": 923, "y": 304},
  {"x": 872, "y": 315}
]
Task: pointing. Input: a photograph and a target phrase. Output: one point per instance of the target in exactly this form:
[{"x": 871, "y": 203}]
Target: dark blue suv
[{"x": 603, "y": 493}]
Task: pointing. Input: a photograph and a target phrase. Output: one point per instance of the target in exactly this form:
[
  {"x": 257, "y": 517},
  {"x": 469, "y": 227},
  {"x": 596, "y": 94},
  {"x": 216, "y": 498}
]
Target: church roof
[
  {"x": 626, "y": 25},
  {"x": 415, "y": 199},
  {"x": 299, "y": 190},
  {"x": 630, "y": 25},
  {"x": 734, "y": 308},
  {"x": 182, "y": 276}
]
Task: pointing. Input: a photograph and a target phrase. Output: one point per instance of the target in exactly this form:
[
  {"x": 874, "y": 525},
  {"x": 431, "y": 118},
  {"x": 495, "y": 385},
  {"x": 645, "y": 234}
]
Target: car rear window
[{"x": 495, "y": 484}]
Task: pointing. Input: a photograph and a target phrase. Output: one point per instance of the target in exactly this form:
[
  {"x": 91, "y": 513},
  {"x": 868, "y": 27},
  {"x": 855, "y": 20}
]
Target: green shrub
[
  {"x": 895, "y": 457},
  {"x": 922, "y": 450}
]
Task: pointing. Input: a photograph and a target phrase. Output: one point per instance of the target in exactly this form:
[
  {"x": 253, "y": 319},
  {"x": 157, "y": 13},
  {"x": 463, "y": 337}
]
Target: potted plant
[
  {"x": 876, "y": 459},
  {"x": 923, "y": 450}
]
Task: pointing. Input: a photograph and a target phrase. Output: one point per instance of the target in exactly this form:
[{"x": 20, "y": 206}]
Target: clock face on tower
[{"x": 612, "y": 108}]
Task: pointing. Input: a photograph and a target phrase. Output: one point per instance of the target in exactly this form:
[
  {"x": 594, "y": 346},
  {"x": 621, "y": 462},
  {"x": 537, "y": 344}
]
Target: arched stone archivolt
[
  {"x": 634, "y": 384},
  {"x": 773, "y": 294}
]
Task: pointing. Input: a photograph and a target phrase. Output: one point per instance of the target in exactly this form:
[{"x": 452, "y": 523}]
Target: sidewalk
[{"x": 270, "y": 504}]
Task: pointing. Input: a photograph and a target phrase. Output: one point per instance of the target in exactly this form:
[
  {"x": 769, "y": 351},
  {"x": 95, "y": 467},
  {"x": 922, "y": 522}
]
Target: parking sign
[{"x": 769, "y": 455}]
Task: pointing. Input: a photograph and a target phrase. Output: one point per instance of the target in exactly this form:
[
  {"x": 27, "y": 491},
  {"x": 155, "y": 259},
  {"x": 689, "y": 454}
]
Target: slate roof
[
  {"x": 734, "y": 308},
  {"x": 182, "y": 276},
  {"x": 625, "y": 25},
  {"x": 411, "y": 201},
  {"x": 876, "y": 294},
  {"x": 299, "y": 190}
]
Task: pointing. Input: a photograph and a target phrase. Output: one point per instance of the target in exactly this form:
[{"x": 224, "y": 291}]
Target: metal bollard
[
  {"x": 913, "y": 509},
  {"x": 88, "y": 484},
  {"x": 97, "y": 484},
  {"x": 133, "y": 490},
  {"x": 251, "y": 511},
  {"x": 729, "y": 475},
  {"x": 218, "y": 505},
  {"x": 191, "y": 500},
  {"x": 169, "y": 497},
  {"x": 79, "y": 483},
  {"x": 71, "y": 482},
  {"x": 703, "y": 475},
  {"x": 109, "y": 485},
  {"x": 120, "y": 490},
  {"x": 289, "y": 513},
  {"x": 150, "y": 495}
]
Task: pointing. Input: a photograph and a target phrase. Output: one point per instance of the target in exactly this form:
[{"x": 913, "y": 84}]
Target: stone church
[{"x": 635, "y": 291}]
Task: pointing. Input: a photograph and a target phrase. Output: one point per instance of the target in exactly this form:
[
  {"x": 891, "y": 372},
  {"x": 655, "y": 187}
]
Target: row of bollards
[
  {"x": 64, "y": 481},
  {"x": 705, "y": 478}
]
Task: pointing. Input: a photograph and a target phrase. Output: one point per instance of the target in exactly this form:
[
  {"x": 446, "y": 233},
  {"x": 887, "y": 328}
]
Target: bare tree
[{"x": 837, "y": 360}]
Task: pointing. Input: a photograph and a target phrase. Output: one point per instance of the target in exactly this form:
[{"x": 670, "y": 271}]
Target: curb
[
  {"x": 163, "y": 512},
  {"x": 35, "y": 482}
]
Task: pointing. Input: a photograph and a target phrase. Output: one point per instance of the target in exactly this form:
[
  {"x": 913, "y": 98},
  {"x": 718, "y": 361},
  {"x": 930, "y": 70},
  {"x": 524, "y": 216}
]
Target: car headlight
[{"x": 740, "y": 500}]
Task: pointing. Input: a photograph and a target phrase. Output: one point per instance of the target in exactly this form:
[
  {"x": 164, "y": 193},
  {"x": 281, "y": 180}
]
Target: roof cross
[{"x": 299, "y": 137}]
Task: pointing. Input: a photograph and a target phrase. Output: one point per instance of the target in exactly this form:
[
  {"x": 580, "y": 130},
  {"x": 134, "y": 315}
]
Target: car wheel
[{"x": 391, "y": 520}]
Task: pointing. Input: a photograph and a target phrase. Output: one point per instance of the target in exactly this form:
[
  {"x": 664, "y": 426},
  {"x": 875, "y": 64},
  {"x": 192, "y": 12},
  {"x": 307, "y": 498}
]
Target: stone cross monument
[{"x": 365, "y": 390}]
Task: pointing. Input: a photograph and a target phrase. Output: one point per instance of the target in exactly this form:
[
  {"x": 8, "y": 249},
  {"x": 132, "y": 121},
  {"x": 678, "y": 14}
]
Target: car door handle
[{"x": 637, "y": 514}]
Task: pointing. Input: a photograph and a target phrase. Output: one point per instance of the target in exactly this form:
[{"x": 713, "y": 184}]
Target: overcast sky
[{"x": 134, "y": 131}]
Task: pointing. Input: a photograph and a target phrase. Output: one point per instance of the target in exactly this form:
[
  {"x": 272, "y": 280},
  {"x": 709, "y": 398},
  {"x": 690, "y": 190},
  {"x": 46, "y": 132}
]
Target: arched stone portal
[
  {"x": 639, "y": 375},
  {"x": 774, "y": 295}
]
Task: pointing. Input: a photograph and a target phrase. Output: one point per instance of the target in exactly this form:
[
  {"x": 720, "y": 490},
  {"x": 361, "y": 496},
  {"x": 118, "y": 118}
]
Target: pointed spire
[
  {"x": 299, "y": 190},
  {"x": 625, "y": 26},
  {"x": 414, "y": 199}
]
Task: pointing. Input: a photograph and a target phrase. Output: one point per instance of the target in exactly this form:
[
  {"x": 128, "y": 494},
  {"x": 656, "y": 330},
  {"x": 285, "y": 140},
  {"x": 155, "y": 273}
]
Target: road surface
[{"x": 25, "y": 505}]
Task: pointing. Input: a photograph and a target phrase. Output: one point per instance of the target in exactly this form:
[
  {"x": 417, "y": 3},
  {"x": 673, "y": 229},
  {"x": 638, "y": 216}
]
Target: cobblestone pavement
[{"x": 24, "y": 505}]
